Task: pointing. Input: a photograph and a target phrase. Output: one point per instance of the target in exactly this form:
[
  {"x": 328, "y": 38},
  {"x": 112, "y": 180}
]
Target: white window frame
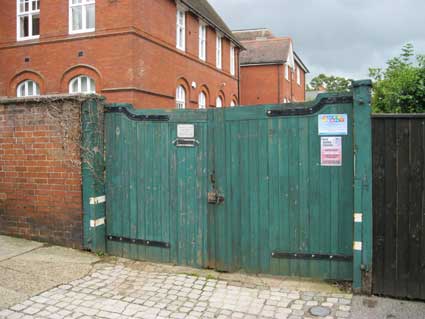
[
  {"x": 202, "y": 100},
  {"x": 219, "y": 51},
  {"x": 180, "y": 97},
  {"x": 202, "y": 41},
  {"x": 90, "y": 82},
  {"x": 286, "y": 71},
  {"x": 26, "y": 84},
  {"x": 298, "y": 75},
  {"x": 83, "y": 5},
  {"x": 219, "y": 102},
  {"x": 181, "y": 26},
  {"x": 30, "y": 14},
  {"x": 232, "y": 59}
]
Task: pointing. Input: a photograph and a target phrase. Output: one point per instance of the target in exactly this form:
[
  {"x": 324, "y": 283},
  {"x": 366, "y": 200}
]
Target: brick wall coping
[{"x": 50, "y": 98}]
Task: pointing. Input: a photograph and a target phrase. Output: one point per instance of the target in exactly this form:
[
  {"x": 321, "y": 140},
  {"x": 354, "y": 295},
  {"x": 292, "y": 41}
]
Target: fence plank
[{"x": 399, "y": 180}]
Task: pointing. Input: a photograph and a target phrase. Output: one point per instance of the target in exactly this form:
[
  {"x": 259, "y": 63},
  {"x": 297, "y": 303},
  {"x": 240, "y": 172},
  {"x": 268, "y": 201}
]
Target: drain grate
[{"x": 320, "y": 311}]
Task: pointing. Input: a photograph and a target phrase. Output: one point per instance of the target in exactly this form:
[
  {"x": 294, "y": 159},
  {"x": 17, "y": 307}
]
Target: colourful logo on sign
[{"x": 333, "y": 118}]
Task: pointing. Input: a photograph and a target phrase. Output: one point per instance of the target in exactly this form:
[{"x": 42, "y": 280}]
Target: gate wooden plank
[
  {"x": 293, "y": 192},
  {"x": 174, "y": 209},
  {"x": 234, "y": 178},
  {"x": 141, "y": 173},
  {"x": 253, "y": 195},
  {"x": 275, "y": 197},
  {"x": 133, "y": 253},
  {"x": 325, "y": 218},
  {"x": 263, "y": 215},
  {"x": 202, "y": 180},
  {"x": 304, "y": 181},
  {"x": 346, "y": 201},
  {"x": 245, "y": 203},
  {"x": 314, "y": 199},
  {"x": 164, "y": 189},
  {"x": 284, "y": 141},
  {"x": 403, "y": 161}
]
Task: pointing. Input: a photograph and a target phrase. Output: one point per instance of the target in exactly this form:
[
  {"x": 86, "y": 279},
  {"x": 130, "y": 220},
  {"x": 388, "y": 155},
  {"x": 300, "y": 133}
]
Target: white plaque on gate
[{"x": 186, "y": 131}]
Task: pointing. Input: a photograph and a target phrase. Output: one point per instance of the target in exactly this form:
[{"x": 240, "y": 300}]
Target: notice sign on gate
[
  {"x": 333, "y": 124},
  {"x": 331, "y": 151},
  {"x": 185, "y": 131}
]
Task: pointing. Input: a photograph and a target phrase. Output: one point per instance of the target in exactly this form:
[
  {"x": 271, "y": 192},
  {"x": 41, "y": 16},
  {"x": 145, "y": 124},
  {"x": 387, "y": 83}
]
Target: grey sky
[{"x": 340, "y": 37}]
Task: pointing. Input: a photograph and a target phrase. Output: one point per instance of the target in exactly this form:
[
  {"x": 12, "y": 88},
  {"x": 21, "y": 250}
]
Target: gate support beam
[
  {"x": 363, "y": 229},
  {"x": 93, "y": 175}
]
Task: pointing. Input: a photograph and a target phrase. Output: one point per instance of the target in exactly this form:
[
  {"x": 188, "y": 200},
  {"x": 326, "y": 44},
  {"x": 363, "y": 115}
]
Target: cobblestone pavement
[{"x": 117, "y": 291}]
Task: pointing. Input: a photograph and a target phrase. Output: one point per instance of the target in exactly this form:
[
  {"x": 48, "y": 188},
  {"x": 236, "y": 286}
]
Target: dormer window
[
  {"x": 28, "y": 19},
  {"x": 82, "y": 16},
  {"x": 181, "y": 29}
]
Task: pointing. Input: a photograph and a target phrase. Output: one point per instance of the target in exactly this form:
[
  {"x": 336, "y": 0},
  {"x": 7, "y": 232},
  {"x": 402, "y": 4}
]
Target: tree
[
  {"x": 400, "y": 88},
  {"x": 330, "y": 83}
]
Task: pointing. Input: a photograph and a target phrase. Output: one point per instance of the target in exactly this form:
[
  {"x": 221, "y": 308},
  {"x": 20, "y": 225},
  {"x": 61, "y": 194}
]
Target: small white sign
[
  {"x": 186, "y": 131},
  {"x": 331, "y": 151},
  {"x": 333, "y": 124}
]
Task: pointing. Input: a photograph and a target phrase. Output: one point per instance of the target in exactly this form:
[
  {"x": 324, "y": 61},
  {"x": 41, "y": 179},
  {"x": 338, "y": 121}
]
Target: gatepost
[{"x": 363, "y": 224}]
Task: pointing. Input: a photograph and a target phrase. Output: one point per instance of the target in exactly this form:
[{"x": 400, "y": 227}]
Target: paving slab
[
  {"x": 386, "y": 308},
  {"x": 29, "y": 268},
  {"x": 11, "y": 247}
]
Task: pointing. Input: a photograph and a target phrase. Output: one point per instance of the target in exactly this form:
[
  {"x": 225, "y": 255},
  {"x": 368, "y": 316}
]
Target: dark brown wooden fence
[{"x": 399, "y": 205}]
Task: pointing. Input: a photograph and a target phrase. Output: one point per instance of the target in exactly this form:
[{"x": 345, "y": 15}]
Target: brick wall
[
  {"x": 40, "y": 173},
  {"x": 266, "y": 84}
]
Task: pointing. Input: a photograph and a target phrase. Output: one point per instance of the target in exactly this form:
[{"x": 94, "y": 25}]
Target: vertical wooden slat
[
  {"x": 403, "y": 163},
  {"x": 285, "y": 141},
  {"x": 379, "y": 181},
  {"x": 274, "y": 194},
  {"x": 422, "y": 200},
  {"x": 415, "y": 211},
  {"x": 263, "y": 212},
  {"x": 390, "y": 255},
  {"x": 304, "y": 181}
]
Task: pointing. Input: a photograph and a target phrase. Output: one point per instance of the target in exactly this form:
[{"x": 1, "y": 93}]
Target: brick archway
[
  {"x": 81, "y": 69},
  {"x": 24, "y": 75}
]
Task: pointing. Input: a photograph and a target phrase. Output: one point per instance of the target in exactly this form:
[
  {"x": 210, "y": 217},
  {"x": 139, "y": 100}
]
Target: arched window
[
  {"x": 28, "y": 88},
  {"x": 180, "y": 97},
  {"x": 233, "y": 103},
  {"x": 219, "y": 102},
  {"x": 82, "y": 85},
  {"x": 202, "y": 100}
]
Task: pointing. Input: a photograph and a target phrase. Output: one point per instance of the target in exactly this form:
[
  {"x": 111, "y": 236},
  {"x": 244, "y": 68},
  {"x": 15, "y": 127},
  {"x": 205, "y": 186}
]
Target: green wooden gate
[{"x": 244, "y": 188}]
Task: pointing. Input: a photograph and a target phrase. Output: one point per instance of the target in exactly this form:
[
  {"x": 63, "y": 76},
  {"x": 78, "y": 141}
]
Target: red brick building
[
  {"x": 151, "y": 53},
  {"x": 271, "y": 71}
]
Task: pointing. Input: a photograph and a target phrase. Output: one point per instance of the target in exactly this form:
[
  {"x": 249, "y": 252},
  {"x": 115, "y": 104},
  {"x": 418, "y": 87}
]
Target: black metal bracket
[
  {"x": 299, "y": 111},
  {"x": 336, "y": 257},
  {"x": 143, "y": 242},
  {"x": 135, "y": 117}
]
